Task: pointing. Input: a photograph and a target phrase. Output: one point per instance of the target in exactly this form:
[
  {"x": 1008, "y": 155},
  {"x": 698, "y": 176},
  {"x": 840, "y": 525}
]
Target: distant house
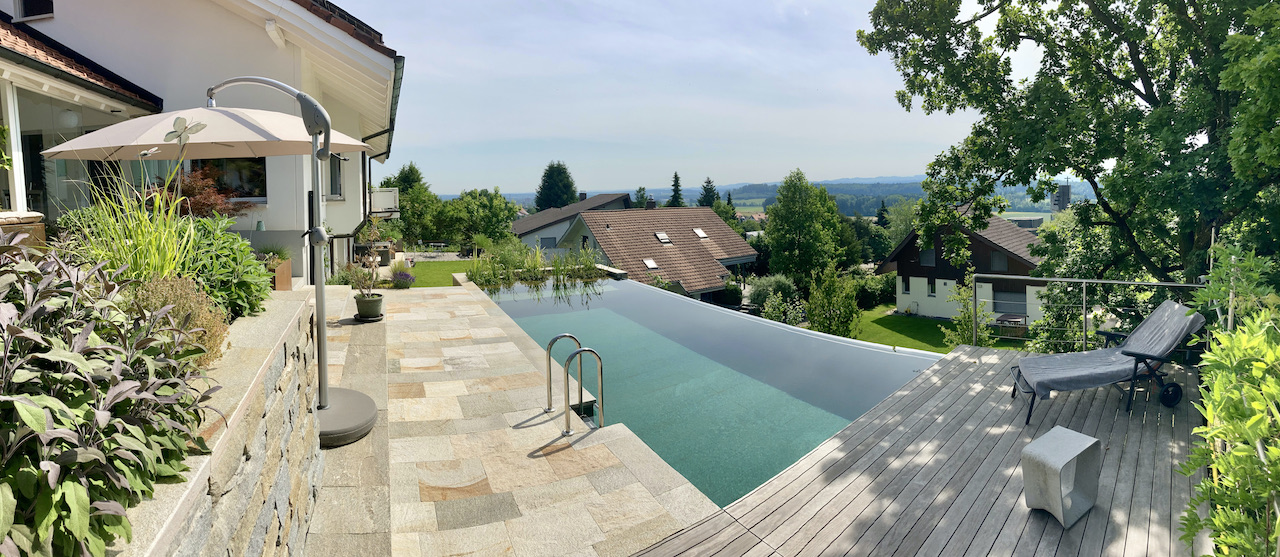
[
  {"x": 690, "y": 247},
  {"x": 544, "y": 229},
  {"x": 926, "y": 278}
]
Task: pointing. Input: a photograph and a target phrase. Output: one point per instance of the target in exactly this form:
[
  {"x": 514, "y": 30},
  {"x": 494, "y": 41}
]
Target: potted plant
[
  {"x": 363, "y": 278},
  {"x": 277, "y": 260}
]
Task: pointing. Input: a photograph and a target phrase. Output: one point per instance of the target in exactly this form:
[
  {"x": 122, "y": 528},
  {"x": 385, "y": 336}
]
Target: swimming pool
[{"x": 729, "y": 400}]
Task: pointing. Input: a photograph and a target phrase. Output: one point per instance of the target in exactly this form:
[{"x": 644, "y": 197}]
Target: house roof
[
  {"x": 23, "y": 45},
  {"x": 352, "y": 25},
  {"x": 629, "y": 237},
  {"x": 548, "y": 217},
  {"x": 999, "y": 233}
]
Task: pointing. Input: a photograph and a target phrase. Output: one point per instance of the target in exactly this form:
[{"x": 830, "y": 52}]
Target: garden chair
[{"x": 1139, "y": 356}]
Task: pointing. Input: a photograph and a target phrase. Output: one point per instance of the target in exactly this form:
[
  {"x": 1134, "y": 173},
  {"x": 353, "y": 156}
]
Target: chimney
[
  {"x": 650, "y": 204},
  {"x": 582, "y": 197}
]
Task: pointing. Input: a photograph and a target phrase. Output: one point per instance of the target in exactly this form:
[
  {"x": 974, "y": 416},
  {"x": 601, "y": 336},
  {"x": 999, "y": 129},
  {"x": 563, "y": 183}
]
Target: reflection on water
[{"x": 563, "y": 292}]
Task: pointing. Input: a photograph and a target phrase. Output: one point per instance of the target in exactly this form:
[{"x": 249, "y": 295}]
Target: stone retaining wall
[{"x": 254, "y": 494}]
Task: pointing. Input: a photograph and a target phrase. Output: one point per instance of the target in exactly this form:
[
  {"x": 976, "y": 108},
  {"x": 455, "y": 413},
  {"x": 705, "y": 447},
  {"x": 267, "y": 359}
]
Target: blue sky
[{"x": 628, "y": 92}]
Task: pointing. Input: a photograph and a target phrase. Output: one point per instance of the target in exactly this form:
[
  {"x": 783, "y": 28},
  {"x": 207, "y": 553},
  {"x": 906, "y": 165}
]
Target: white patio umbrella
[
  {"x": 343, "y": 415},
  {"x": 227, "y": 133}
]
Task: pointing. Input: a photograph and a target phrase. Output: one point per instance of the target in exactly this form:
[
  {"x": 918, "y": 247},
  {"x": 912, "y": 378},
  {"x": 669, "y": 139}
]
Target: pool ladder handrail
[
  {"x": 568, "y": 428},
  {"x": 550, "y": 406}
]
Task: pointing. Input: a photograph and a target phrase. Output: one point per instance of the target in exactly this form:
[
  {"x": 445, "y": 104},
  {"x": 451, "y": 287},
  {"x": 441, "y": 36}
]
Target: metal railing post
[
  {"x": 1084, "y": 316},
  {"x": 568, "y": 426},
  {"x": 973, "y": 284},
  {"x": 550, "y": 408}
]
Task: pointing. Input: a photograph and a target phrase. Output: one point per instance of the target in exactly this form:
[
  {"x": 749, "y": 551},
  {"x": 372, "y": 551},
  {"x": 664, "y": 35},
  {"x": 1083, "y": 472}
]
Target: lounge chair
[{"x": 1139, "y": 356}]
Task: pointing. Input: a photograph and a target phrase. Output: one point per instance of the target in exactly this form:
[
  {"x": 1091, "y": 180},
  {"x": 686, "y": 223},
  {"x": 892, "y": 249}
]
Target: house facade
[
  {"x": 160, "y": 56},
  {"x": 926, "y": 278},
  {"x": 690, "y": 248},
  {"x": 544, "y": 229}
]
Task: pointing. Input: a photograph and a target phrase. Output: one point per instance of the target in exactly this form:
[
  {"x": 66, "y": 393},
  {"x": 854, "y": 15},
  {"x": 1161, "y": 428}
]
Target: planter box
[{"x": 284, "y": 275}]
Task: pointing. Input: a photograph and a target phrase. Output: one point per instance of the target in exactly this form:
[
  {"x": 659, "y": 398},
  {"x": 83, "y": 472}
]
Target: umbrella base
[{"x": 348, "y": 418}]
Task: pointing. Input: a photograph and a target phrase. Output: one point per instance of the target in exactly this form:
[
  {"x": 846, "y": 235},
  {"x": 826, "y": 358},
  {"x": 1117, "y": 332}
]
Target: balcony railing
[{"x": 384, "y": 202}]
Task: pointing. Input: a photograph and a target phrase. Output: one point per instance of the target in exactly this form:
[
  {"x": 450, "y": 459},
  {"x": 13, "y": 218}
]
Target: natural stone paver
[{"x": 468, "y": 463}]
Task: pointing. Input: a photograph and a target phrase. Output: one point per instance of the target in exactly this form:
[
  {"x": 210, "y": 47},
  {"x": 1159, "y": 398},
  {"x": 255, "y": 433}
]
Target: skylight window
[
  {"x": 662, "y": 237},
  {"x": 650, "y": 263},
  {"x": 700, "y": 233}
]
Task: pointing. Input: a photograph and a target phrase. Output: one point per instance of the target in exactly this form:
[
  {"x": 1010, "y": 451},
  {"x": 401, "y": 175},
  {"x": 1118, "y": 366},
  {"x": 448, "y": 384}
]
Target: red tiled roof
[
  {"x": 548, "y": 217},
  {"x": 350, "y": 24},
  {"x": 35, "y": 46},
  {"x": 628, "y": 238}
]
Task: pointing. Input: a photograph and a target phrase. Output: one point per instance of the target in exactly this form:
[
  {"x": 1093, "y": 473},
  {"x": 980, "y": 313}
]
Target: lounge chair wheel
[{"x": 1171, "y": 394}]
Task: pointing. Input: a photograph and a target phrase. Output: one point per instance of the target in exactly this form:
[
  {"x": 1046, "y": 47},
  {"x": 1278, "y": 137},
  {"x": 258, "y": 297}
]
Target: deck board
[{"x": 934, "y": 470}]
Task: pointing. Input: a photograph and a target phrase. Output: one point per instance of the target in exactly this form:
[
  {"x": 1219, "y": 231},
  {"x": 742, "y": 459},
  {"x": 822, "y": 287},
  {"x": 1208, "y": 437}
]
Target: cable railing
[{"x": 1029, "y": 302}]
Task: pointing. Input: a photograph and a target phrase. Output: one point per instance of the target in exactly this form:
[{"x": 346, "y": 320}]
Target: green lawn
[
  {"x": 438, "y": 273},
  {"x": 922, "y": 333}
]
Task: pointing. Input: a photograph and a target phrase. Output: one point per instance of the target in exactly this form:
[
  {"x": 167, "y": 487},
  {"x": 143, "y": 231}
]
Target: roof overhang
[
  {"x": 738, "y": 260},
  {"x": 363, "y": 77},
  {"x": 50, "y": 81}
]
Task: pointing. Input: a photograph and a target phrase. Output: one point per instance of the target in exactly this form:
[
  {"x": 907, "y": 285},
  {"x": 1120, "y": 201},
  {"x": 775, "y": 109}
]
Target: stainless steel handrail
[
  {"x": 550, "y": 408},
  {"x": 568, "y": 427}
]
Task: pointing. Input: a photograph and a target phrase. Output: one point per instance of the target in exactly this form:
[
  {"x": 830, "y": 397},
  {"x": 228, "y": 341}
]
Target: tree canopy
[
  {"x": 404, "y": 179},
  {"x": 801, "y": 229},
  {"x": 677, "y": 199},
  {"x": 1161, "y": 107},
  {"x": 641, "y": 197},
  {"x": 557, "y": 188},
  {"x": 709, "y": 194},
  {"x": 478, "y": 212}
]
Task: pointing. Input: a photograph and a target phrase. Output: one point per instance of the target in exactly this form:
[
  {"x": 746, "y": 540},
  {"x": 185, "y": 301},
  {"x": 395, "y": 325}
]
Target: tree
[
  {"x": 833, "y": 305},
  {"x": 728, "y": 215},
  {"x": 677, "y": 200},
  {"x": 419, "y": 210},
  {"x": 709, "y": 194},
  {"x": 882, "y": 216},
  {"x": 801, "y": 229},
  {"x": 478, "y": 212},
  {"x": 642, "y": 197},
  {"x": 902, "y": 216},
  {"x": 728, "y": 200},
  {"x": 1149, "y": 103},
  {"x": 962, "y": 330},
  {"x": 556, "y": 189},
  {"x": 404, "y": 179}
]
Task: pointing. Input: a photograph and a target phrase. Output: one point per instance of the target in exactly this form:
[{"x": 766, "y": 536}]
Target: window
[
  {"x": 585, "y": 240},
  {"x": 32, "y": 9},
  {"x": 335, "y": 178},
  {"x": 928, "y": 258},
  {"x": 933, "y": 288},
  {"x": 547, "y": 242},
  {"x": 906, "y": 285},
  {"x": 999, "y": 261},
  {"x": 245, "y": 178},
  {"x": 662, "y": 237},
  {"x": 700, "y": 233},
  {"x": 650, "y": 263}
]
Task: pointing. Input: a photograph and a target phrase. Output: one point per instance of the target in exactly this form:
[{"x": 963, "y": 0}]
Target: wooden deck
[{"x": 933, "y": 470}]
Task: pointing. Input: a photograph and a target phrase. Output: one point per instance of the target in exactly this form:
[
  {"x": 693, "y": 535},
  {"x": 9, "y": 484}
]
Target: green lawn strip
[
  {"x": 922, "y": 333},
  {"x": 438, "y": 273}
]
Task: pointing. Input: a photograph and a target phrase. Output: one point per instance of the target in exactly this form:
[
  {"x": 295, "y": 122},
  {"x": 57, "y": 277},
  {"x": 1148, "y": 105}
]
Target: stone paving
[{"x": 463, "y": 461}]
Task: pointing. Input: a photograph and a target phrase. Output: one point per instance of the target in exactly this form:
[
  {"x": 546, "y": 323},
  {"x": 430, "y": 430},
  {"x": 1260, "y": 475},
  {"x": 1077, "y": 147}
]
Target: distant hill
[{"x": 864, "y": 198}]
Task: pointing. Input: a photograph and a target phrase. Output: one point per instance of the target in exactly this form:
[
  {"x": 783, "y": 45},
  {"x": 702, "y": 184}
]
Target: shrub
[
  {"x": 875, "y": 290},
  {"x": 207, "y": 321},
  {"x": 833, "y": 304},
  {"x": 402, "y": 280},
  {"x": 225, "y": 265},
  {"x": 203, "y": 198},
  {"x": 779, "y": 308},
  {"x": 730, "y": 296},
  {"x": 764, "y": 287},
  {"x": 963, "y": 330},
  {"x": 344, "y": 275},
  {"x": 96, "y": 404}
]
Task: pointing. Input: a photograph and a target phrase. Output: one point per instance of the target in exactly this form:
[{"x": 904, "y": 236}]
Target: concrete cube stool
[{"x": 1060, "y": 472}]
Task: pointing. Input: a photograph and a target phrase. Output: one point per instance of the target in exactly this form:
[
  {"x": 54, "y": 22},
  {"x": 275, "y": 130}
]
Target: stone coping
[{"x": 20, "y": 217}]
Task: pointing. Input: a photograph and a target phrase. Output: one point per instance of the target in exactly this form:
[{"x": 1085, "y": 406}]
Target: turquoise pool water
[{"x": 727, "y": 399}]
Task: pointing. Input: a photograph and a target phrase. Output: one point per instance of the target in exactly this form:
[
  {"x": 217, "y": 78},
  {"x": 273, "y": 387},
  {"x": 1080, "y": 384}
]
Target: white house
[
  {"x": 545, "y": 228},
  {"x": 68, "y": 67}
]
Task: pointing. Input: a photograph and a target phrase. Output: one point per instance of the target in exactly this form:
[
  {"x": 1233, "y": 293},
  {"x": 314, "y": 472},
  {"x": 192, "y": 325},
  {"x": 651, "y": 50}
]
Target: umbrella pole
[{"x": 342, "y": 415}]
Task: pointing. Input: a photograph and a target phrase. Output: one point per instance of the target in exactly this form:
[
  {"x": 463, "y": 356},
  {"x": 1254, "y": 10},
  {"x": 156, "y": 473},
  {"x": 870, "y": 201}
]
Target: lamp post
[{"x": 342, "y": 415}]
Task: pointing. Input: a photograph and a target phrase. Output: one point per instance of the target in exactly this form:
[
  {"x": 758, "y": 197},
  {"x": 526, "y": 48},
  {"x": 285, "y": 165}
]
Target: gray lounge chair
[{"x": 1138, "y": 357}]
